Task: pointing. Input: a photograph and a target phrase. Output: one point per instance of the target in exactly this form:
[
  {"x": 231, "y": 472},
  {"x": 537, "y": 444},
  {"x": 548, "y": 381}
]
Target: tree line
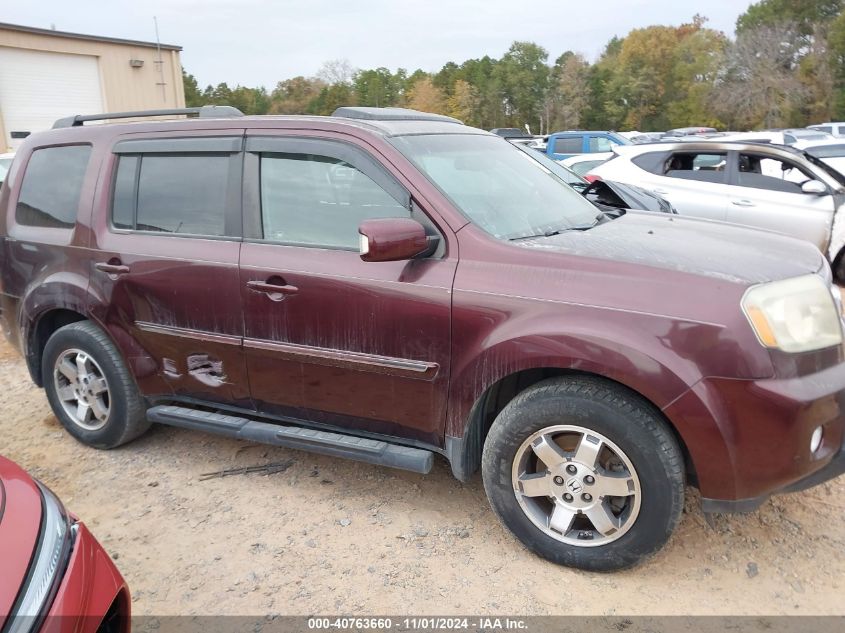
[{"x": 784, "y": 68}]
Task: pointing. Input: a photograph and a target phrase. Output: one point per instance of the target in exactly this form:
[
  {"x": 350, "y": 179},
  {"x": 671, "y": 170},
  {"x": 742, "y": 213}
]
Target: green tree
[
  {"x": 379, "y": 87},
  {"x": 805, "y": 14},
  {"x": 193, "y": 95},
  {"x": 523, "y": 78},
  {"x": 695, "y": 69},
  {"x": 568, "y": 96},
  {"x": 294, "y": 96},
  {"x": 330, "y": 99}
]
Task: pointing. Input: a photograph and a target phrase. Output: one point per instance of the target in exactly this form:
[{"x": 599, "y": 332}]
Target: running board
[{"x": 335, "y": 444}]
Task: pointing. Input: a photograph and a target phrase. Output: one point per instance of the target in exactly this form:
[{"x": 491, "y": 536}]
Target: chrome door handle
[
  {"x": 111, "y": 269},
  {"x": 274, "y": 287},
  {"x": 743, "y": 203},
  {"x": 662, "y": 192}
]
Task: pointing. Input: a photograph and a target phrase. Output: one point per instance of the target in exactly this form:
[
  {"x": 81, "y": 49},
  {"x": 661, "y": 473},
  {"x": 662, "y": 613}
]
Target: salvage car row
[
  {"x": 393, "y": 287},
  {"x": 790, "y": 181}
]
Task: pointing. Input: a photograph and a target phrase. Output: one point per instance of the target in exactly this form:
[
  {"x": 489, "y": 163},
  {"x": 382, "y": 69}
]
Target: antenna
[{"x": 159, "y": 63}]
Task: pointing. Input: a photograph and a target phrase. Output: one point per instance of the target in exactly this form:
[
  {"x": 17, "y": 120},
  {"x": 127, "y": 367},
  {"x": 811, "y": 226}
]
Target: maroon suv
[{"x": 385, "y": 285}]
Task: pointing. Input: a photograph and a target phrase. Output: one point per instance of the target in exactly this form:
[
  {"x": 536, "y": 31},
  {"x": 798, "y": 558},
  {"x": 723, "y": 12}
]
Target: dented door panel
[{"x": 176, "y": 300}]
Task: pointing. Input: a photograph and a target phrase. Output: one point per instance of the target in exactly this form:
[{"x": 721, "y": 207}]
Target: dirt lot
[{"x": 330, "y": 536}]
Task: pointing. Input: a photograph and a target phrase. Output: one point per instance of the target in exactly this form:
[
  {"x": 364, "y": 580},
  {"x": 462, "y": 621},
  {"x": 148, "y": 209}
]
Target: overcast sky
[{"x": 259, "y": 42}]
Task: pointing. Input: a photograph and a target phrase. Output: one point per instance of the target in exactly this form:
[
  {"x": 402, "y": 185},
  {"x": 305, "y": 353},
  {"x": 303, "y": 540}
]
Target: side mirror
[
  {"x": 392, "y": 239},
  {"x": 814, "y": 187}
]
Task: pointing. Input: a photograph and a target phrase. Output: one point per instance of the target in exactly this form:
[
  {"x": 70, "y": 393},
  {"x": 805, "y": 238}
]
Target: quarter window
[
  {"x": 314, "y": 200},
  {"x": 704, "y": 167},
  {"x": 52, "y": 186},
  {"x": 184, "y": 194}
]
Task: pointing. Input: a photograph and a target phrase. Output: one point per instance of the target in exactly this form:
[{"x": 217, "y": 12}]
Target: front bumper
[
  {"x": 834, "y": 468},
  {"x": 749, "y": 439}
]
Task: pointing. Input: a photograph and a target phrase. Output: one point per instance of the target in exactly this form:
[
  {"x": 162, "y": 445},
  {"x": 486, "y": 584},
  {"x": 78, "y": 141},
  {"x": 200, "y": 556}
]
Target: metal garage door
[{"x": 36, "y": 88}]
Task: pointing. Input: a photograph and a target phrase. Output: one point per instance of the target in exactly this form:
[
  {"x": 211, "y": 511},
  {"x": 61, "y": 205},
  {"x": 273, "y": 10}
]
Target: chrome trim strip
[
  {"x": 197, "y": 335},
  {"x": 347, "y": 360},
  {"x": 356, "y": 361}
]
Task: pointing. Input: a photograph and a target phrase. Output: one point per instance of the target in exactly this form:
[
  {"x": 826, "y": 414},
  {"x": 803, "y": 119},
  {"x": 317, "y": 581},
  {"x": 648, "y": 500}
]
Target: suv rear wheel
[
  {"x": 90, "y": 389},
  {"x": 584, "y": 473}
]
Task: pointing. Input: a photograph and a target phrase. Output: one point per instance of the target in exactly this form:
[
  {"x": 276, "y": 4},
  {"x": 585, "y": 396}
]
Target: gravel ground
[{"x": 321, "y": 535}]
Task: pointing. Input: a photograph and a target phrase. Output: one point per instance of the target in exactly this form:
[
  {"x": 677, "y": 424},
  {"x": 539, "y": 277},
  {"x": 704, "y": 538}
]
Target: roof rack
[
  {"x": 204, "y": 112},
  {"x": 391, "y": 114}
]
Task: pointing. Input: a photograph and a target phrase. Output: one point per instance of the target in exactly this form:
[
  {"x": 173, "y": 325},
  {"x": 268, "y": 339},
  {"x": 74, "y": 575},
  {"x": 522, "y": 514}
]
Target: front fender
[{"x": 659, "y": 358}]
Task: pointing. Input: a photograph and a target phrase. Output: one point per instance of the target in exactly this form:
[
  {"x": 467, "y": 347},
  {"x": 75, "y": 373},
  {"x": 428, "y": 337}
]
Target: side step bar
[{"x": 335, "y": 444}]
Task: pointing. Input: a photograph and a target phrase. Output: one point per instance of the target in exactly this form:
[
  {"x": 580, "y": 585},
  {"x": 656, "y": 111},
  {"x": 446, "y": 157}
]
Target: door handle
[
  {"x": 743, "y": 203},
  {"x": 274, "y": 287},
  {"x": 662, "y": 192},
  {"x": 113, "y": 267}
]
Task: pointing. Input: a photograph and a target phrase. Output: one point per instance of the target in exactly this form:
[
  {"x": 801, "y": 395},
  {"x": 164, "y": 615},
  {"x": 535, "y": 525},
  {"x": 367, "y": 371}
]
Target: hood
[
  {"x": 20, "y": 521},
  {"x": 638, "y": 198},
  {"x": 729, "y": 252}
]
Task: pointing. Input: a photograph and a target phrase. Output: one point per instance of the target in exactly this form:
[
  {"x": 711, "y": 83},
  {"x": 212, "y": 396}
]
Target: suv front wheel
[
  {"x": 584, "y": 473},
  {"x": 90, "y": 389}
]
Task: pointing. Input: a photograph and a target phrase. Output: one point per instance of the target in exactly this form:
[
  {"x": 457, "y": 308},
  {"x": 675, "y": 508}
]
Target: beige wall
[{"x": 124, "y": 88}]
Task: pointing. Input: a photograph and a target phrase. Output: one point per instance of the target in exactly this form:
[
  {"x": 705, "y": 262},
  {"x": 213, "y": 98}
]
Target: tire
[
  {"x": 114, "y": 412},
  {"x": 572, "y": 413},
  {"x": 838, "y": 265}
]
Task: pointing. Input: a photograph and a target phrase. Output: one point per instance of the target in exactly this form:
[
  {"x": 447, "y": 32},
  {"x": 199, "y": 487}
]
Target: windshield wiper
[{"x": 553, "y": 232}]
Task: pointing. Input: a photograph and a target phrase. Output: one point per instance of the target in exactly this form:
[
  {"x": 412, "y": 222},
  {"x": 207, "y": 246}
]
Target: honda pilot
[{"x": 392, "y": 286}]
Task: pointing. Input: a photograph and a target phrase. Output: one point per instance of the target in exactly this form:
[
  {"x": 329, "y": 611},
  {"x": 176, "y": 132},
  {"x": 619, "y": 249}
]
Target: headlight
[
  {"x": 47, "y": 566},
  {"x": 794, "y": 315}
]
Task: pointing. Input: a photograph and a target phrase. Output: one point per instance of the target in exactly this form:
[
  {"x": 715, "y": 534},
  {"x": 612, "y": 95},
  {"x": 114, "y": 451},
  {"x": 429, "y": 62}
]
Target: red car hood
[{"x": 20, "y": 520}]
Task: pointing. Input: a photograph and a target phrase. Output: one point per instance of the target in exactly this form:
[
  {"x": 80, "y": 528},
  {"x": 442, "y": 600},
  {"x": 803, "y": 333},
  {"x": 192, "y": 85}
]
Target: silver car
[{"x": 769, "y": 187}]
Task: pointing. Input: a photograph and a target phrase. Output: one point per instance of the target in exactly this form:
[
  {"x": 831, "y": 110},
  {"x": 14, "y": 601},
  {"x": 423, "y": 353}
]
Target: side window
[
  {"x": 569, "y": 145},
  {"x": 314, "y": 200},
  {"x": 51, "y": 187},
  {"x": 825, "y": 128},
  {"x": 600, "y": 144},
  {"x": 183, "y": 194},
  {"x": 703, "y": 166},
  {"x": 761, "y": 172}
]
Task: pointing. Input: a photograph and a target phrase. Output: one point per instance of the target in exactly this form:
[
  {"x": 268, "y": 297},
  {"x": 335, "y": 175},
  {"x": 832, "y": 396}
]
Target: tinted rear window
[
  {"x": 51, "y": 187},
  {"x": 569, "y": 145},
  {"x": 175, "y": 194}
]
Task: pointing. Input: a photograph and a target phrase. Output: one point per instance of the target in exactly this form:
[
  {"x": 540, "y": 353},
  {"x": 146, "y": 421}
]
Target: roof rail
[
  {"x": 204, "y": 112},
  {"x": 391, "y": 114}
]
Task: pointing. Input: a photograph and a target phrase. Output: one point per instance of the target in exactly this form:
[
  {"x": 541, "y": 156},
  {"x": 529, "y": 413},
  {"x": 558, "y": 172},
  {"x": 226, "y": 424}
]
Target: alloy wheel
[
  {"x": 576, "y": 485},
  {"x": 82, "y": 389}
]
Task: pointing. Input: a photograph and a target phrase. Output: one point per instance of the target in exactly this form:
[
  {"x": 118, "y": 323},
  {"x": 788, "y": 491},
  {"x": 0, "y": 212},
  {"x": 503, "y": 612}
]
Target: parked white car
[
  {"x": 779, "y": 137},
  {"x": 831, "y": 152},
  {"x": 765, "y": 186},
  {"x": 837, "y": 129},
  {"x": 584, "y": 163}
]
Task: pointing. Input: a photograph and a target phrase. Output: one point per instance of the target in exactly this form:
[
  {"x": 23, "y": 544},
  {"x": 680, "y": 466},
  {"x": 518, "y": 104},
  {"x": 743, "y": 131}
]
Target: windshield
[
  {"x": 830, "y": 171},
  {"x": 827, "y": 151},
  {"x": 502, "y": 189},
  {"x": 566, "y": 174},
  {"x": 804, "y": 136}
]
